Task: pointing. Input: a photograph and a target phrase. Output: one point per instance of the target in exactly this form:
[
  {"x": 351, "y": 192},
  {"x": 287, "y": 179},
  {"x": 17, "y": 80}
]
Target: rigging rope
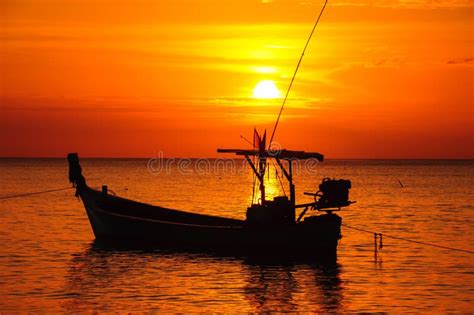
[
  {"x": 254, "y": 177},
  {"x": 294, "y": 74},
  {"x": 279, "y": 179},
  {"x": 35, "y": 193},
  {"x": 409, "y": 240}
]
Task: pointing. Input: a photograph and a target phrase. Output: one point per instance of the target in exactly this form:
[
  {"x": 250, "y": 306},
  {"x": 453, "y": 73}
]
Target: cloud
[{"x": 457, "y": 61}]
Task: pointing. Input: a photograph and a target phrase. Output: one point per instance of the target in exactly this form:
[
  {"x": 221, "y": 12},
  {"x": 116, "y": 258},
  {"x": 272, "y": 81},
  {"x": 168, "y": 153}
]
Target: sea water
[{"x": 50, "y": 262}]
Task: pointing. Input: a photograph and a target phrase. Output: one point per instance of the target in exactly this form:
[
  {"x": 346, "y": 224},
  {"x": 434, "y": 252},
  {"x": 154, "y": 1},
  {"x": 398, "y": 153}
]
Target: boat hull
[{"x": 125, "y": 221}]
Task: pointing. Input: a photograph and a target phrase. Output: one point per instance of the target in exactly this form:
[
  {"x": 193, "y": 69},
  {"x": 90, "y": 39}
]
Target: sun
[{"x": 266, "y": 89}]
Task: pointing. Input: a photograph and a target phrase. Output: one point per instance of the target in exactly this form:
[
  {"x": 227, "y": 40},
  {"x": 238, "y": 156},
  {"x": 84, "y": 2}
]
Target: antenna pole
[{"x": 294, "y": 74}]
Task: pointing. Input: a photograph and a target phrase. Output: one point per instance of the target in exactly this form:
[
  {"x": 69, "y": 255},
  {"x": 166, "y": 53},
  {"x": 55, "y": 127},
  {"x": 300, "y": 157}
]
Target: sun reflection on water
[{"x": 275, "y": 185}]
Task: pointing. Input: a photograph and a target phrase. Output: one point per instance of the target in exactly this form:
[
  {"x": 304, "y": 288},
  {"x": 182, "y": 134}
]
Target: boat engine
[{"x": 333, "y": 193}]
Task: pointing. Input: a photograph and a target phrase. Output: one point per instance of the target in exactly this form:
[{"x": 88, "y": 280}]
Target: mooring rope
[
  {"x": 409, "y": 240},
  {"x": 35, "y": 193}
]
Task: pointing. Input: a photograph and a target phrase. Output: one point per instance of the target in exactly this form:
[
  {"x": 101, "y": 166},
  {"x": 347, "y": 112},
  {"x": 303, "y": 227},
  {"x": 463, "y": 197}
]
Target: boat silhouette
[{"x": 270, "y": 226}]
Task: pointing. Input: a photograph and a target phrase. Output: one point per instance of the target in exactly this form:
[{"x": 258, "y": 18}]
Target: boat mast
[{"x": 260, "y": 145}]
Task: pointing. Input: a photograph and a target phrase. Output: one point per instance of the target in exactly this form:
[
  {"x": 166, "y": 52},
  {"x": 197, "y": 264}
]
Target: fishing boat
[{"x": 269, "y": 226}]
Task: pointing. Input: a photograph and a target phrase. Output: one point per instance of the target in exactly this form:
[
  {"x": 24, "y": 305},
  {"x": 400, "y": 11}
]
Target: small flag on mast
[{"x": 259, "y": 142}]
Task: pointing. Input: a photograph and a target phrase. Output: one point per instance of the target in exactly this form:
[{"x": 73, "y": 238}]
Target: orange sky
[{"x": 380, "y": 79}]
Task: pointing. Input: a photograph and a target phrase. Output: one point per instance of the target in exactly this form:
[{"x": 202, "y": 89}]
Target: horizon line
[{"x": 240, "y": 158}]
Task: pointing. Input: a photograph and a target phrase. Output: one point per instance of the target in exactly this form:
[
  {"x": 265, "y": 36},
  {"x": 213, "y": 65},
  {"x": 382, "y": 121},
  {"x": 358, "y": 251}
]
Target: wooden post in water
[{"x": 375, "y": 242}]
